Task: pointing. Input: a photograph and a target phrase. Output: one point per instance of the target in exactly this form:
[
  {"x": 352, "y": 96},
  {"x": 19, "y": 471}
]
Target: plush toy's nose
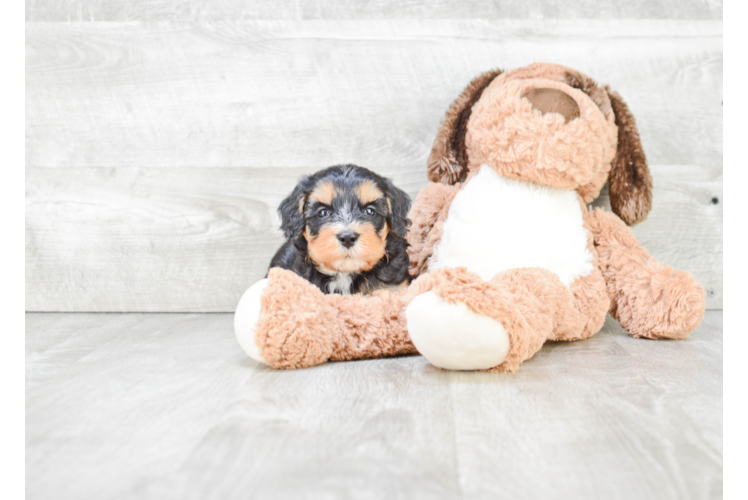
[
  {"x": 553, "y": 101},
  {"x": 348, "y": 239}
]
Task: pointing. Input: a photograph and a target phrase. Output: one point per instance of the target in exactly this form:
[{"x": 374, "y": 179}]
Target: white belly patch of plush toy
[{"x": 496, "y": 224}]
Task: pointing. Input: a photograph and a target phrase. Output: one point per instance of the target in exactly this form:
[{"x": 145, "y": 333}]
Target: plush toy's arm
[
  {"x": 286, "y": 322},
  {"x": 369, "y": 326},
  {"x": 427, "y": 217},
  {"x": 648, "y": 298}
]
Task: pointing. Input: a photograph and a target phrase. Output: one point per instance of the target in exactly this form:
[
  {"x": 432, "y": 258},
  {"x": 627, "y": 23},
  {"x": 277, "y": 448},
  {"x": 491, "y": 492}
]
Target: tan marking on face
[
  {"x": 368, "y": 192},
  {"x": 384, "y": 231},
  {"x": 301, "y": 206},
  {"x": 323, "y": 193},
  {"x": 325, "y": 249},
  {"x": 350, "y": 265},
  {"x": 370, "y": 245}
]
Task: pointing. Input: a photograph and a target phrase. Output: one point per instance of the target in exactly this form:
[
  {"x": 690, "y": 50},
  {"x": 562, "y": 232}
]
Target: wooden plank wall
[
  {"x": 227, "y": 10},
  {"x": 160, "y": 136}
]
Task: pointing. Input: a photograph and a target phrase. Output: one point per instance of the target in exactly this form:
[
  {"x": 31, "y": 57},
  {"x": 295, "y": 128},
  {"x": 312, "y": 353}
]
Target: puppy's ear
[
  {"x": 448, "y": 160},
  {"x": 291, "y": 211},
  {"x": 630, "y": 182},
  {"x": 398, "y": 203}
]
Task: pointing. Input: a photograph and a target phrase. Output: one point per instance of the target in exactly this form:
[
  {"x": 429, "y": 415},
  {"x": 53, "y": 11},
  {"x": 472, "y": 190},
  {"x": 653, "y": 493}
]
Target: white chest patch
[
  {"x": 341, "y": 283},
  {"x": 496, "y": 224}
]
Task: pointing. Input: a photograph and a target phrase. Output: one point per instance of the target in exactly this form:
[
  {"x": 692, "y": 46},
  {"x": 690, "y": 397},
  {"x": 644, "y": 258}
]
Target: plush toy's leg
[
  {"x": 460, "y": 322},
  {"x": 286, "y": 322},
  {"x": 648, "y": 298},
  {"x": 452, "y": 336}
]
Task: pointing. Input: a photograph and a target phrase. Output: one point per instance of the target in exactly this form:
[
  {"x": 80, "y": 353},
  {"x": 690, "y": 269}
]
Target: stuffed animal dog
[{"x": 508, "y": 253}]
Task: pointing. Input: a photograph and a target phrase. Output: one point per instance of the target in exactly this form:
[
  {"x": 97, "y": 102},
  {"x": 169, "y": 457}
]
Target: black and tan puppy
[{"x": 345, "y": 230}]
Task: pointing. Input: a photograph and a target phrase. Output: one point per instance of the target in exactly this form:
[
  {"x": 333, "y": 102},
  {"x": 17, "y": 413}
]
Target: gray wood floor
[{"x": 167, "y": 406}]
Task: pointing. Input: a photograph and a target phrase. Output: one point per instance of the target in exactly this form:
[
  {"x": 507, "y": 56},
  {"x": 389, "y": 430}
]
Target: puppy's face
[
  {"x": 346, "y": 227},
  {"x": 346, "y": 213}
]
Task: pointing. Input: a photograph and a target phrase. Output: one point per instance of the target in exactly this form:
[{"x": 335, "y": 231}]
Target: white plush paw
[
  {"x": 246, "y": 317},
  {"x": 452, "y": 336}
]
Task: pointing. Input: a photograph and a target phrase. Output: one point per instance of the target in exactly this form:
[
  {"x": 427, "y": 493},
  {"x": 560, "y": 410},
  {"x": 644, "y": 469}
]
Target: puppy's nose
[{"x": 348, "y": 239}]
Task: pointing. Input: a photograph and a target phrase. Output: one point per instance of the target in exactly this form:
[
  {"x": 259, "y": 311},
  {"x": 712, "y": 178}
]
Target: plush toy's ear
[
  {"x": 291, "y": 211},
  {"x": 398, "y": 202},
  {"x": 630, "y": 182},
  {"x": 448, "y": 160}
]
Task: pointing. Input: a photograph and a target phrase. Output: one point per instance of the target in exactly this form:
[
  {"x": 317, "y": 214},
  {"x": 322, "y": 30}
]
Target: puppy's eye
[
  {"x": 323, "y": 212},
  {"x": 369, "y": 211}
]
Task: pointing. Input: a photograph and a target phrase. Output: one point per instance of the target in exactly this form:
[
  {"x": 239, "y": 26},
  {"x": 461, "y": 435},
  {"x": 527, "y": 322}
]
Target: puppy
[{"x": 345, "y": 230}]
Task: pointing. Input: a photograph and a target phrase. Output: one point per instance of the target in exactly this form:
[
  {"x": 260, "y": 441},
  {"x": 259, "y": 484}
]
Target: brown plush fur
[
  {"x": 427, "y": 218},
  {"x": 447, "y": 162},
  {"x": 648, "y": 298},
  {"x": 590, "y": 291},
  {"x": 300, "y": 326},
  {"x": 577, "y": 80},
  {"x": 630, "y": 182},
  {"x": 516, "y": 140}
]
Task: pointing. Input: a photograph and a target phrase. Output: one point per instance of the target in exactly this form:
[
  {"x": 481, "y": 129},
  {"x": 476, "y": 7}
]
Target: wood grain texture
[
  {"x": 316, "y": 93},
  {"x": 156, "y": 153},
  {"x": 200, "y": 10},
  {"x": 167, "y": 406}
]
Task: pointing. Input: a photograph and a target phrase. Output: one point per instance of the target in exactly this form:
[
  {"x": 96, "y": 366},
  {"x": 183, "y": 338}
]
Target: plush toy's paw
[
  {"x": 669, "y": 307},
  {"x": 453, "y": 337},
  {"x": 285, "y": 322},
  {"x": 246, "y": 318}
]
